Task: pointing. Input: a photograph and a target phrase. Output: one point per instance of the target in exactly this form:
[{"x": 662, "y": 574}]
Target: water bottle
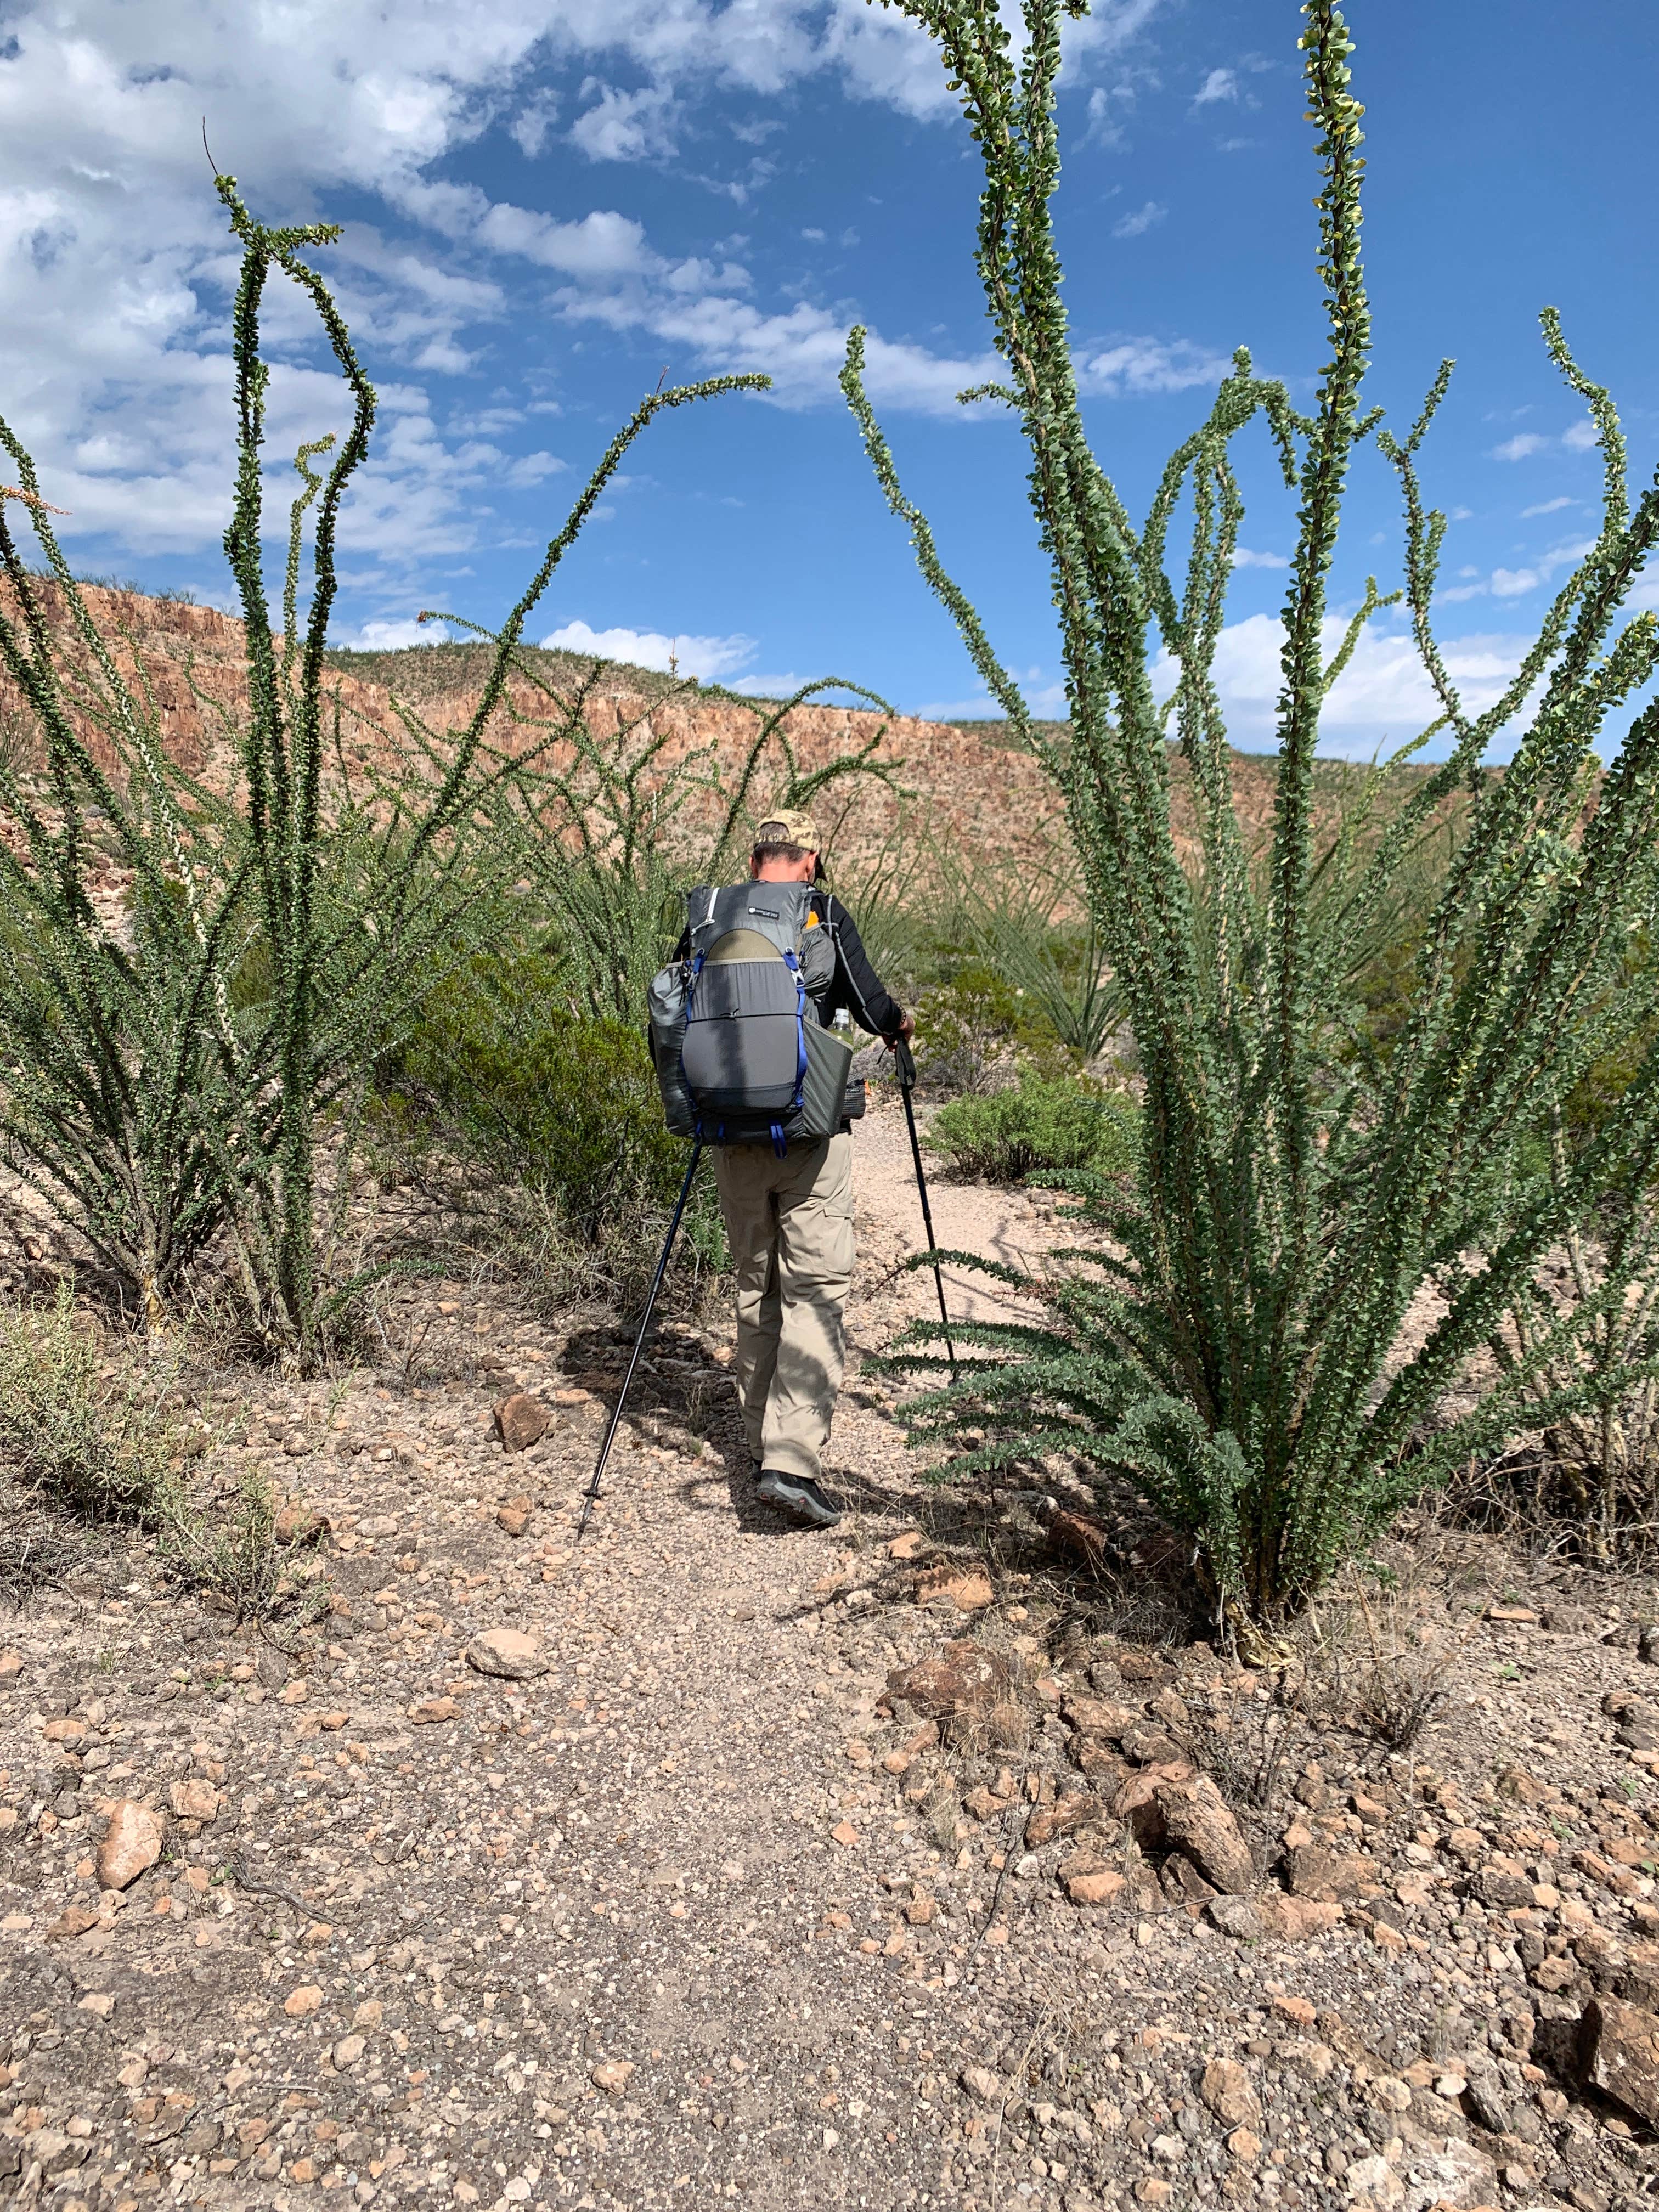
[{"x": 842, "y": 1023}]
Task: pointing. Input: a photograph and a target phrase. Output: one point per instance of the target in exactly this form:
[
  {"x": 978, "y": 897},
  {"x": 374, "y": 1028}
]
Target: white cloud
[
  {"x": 1219, "y": 84},
  {"x": 1143, "y": 220},
  {"x": 1382, "y": 698},
  {"x": 533, "y": 125},
  {"x": 1547, "y": 507},
  {"x": 1243, "y": 558},
  {"x": 1577, "y": 438},
  {"x": 1511, "y": 583},
  {"x": 626, "y": 126},
  {"x": 801, "y": 351},
  {"x": 881, "y": 55},
  {"x": 704, "y": 657},
  {"x": 1148, "y": 365},
  {"x": 115, "y": 266},
  {"x": 392, "y": 636}
]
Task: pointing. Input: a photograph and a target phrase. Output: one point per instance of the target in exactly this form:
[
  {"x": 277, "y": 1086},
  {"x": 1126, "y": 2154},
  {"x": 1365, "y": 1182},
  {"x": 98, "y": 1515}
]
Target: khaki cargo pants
[{"x": 789, "y": 1223}]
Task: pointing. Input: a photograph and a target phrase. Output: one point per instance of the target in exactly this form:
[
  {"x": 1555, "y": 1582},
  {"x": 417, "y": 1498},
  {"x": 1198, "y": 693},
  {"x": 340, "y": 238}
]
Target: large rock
[
  {"x": 963, "y": 1679},
  {"x": 1293, "y": 1919},
  {"x": 509, "y": 1654},
  {"x": 1227, "y": 2089},
  {"x": 195, "y": 1800},
  {"x": 1137, "y": 1803},
  {"x": 1196, "y": 1820},
  {"x": 132, "y": 1844},
  {"x": 1236, "y": 1916},
  {"x": 520, "y": 1420},
  {"x": 1099, "y": 1716},
  {"x": 1450, "y": 2175},
  {"x": 1619, "y": 2051},
  {"x": 1315, "y": 1872}
]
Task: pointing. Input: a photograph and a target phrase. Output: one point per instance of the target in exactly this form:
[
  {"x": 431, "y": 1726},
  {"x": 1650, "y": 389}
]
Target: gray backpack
[{"x": 741, "y": 1057}]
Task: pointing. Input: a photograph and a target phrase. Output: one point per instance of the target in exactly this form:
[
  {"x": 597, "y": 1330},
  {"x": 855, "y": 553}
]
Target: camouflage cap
[{"x": 788, "y": 825}]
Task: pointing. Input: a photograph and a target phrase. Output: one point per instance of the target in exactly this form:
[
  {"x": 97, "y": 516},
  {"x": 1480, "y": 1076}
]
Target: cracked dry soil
[{"x": 728, "y": 1905}]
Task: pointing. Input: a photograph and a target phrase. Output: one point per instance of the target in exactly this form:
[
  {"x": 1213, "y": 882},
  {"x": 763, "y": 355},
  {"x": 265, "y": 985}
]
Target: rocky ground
[{"x": 925, "y": 1863}]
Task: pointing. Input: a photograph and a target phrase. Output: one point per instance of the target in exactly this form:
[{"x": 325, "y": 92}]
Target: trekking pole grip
[{"x": 904, "y": 1060}]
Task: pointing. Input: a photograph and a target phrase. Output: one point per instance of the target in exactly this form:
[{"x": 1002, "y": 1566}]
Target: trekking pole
[
  {"x": 639, "y": 1342},
  {"x": 907, "y": 1076}
]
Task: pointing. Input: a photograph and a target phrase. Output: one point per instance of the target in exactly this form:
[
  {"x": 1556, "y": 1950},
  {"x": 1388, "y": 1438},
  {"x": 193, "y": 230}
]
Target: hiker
[{"x": 786, "y": 1197}]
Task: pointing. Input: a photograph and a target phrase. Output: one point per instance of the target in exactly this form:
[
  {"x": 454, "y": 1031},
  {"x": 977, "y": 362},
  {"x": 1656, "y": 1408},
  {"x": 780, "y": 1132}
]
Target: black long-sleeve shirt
[{"x": 855, "y": 984}]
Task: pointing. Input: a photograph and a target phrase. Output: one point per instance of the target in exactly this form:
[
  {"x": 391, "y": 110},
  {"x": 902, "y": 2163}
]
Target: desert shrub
[
  {"x": 1237, "y": 1352},
  {"x": 975, "y": 1027},
  {"x": 1042, "y": 1125},
  {"x": 162, "y": 1088},
  {"x": 559, "y": 1105},
  {"x": 74, "y": 1435},
  {"x": 227, "y": 1550}
]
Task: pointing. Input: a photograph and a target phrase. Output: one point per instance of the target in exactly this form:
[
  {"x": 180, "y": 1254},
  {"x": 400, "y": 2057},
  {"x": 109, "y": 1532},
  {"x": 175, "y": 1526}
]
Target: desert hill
[{"x": 966, "y": 786}]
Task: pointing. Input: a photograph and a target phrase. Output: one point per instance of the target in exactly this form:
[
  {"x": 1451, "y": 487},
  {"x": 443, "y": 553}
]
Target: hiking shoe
[{"x": 799, "y": 1495}]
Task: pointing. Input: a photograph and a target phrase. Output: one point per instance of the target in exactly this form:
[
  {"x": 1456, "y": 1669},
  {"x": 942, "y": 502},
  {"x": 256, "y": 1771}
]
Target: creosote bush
[
  {"x": 1042, "y": 1125},
  {"x": 1235, "y": 1347},
  {"x": 533, "y": 1096}
]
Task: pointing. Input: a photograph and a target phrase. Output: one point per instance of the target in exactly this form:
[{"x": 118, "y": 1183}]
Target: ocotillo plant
[
  {"x": 1241, "y": 1357},
  {"x": 159, "y": 1082},
  {"x": 610, "y": 839}
]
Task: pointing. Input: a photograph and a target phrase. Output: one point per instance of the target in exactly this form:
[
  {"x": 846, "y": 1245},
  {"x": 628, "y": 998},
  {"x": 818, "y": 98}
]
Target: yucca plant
[{"x": 1239, "y": 1354}]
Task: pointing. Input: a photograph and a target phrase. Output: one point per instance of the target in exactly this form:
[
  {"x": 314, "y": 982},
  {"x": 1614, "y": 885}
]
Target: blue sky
[{"x": 547, "y": 202}]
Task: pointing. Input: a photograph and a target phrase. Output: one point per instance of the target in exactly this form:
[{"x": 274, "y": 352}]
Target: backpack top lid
[
  {"x": 776, "y": 912},
  {"x": 748, "y": 921}
]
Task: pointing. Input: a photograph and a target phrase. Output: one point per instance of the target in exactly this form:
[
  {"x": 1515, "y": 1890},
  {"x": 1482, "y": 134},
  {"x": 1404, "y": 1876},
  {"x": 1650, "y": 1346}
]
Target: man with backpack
[{"x": 752, "y": 1062}]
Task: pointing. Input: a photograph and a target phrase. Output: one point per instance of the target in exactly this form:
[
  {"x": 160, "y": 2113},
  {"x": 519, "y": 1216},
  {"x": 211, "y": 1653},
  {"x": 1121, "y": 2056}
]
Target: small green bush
[
  {"x": 71, "y": 1435},
  {"x": 1047, "y": 1125},
  {"x": 975, "y": 1025},
  {"x": 563, "y": 1107}
]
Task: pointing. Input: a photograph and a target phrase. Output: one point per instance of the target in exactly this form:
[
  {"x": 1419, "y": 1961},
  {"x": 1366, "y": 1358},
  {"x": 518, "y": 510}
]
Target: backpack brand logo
[{"x": 769, "y": 913}]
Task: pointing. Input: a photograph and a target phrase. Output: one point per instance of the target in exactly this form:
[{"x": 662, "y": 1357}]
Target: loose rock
[
  {"x": 296, "y": 1523},
  {"x": 1198, "y": 1821},
  {"x": 1618, "y": 2050},
  {"x": 194, "y": 1801},
  {"x": 1225, "y": 2088},
  {"x": 963, "y": 1679},
  {"x": 132, "y": 1844},
  {"x": 507, "y": 1653},
  {"x": 520, "y": 1421}
]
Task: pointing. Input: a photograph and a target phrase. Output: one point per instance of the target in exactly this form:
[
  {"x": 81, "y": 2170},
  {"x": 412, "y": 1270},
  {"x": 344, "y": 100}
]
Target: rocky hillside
[
  {"x": 977, "y": 794},
  {"x": 964, "y": 786}
]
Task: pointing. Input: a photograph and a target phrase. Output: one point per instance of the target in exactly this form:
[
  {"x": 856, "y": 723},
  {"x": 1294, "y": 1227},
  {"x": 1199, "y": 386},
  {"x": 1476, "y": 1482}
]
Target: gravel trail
[{"x": 707, "y": 1910}]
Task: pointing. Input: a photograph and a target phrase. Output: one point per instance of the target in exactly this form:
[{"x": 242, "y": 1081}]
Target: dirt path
[{"x": 698, "y": 1914}]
